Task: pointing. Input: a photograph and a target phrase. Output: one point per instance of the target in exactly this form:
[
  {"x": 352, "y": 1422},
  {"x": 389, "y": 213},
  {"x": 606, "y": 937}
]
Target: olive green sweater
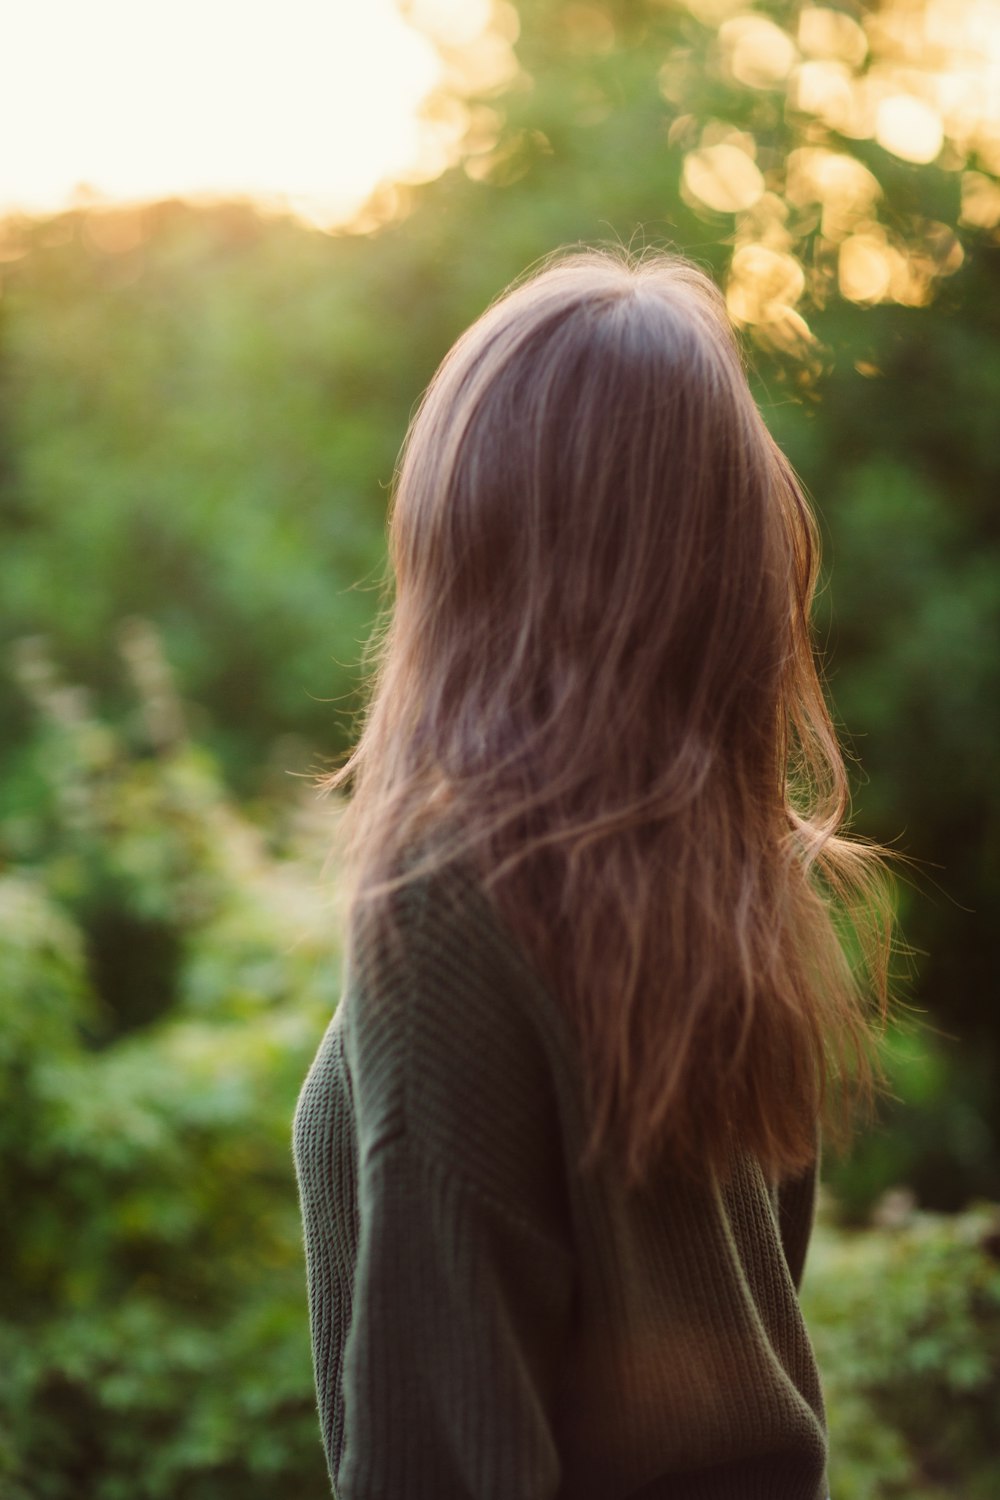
[{"x": 490, "y": 1324}]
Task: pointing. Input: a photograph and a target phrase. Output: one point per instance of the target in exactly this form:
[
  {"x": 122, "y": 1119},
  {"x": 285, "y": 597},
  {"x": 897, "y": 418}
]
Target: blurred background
[{"x": 235, "y": 240}]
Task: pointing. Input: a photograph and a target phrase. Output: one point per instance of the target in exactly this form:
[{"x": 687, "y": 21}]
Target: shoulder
[
  {"x": 451, "y": 1038},
  {"x": 435, "y": 921}
]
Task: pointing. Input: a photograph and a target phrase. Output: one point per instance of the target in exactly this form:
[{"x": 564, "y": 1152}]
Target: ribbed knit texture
[{"x": 488, "y": 1323}]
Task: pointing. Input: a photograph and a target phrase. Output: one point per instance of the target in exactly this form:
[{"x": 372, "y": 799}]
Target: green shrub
[
  {"x": 905, "y": 1320},
  {"x": 153, "y": 1331},
  {"x": 167, "y": 970}
]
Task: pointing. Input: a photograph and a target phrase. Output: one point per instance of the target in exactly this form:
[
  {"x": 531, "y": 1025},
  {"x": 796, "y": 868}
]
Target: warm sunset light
[
  {"x": 918, "y": 77},
  {"x": 310, "y": 103},
  {"x": 723, "y": 176}
]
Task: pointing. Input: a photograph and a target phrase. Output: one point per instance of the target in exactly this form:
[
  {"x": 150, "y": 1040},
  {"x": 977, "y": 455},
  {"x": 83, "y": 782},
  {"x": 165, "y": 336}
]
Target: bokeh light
[
  {"x": 723, "y": 177},
  {"x": 757, "y": 51},
  {"x": 909, "y": 128},
  {"x": 918, "y": 78}
]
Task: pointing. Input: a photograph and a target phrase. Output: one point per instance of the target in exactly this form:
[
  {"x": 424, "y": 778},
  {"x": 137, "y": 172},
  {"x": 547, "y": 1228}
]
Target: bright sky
[{"x": 309, "y": 99}]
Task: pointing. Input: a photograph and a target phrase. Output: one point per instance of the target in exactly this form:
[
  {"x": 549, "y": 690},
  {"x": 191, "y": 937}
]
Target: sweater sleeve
[
  {"x": 458, "y": 1322},
  {"x": 464, "y": 1272}
]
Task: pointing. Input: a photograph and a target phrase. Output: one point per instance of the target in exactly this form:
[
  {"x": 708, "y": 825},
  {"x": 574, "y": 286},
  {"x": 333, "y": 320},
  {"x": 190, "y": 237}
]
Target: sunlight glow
[
  {"x": 764, "y": 284},
  {"x": 309, "y": 103},
  {"x": 832, "y": 34},
  {"x": 757, "y": 52},
  {"x": 920, "y": 78},
  {"x": 980, "y": 200},
  {"x": 723, "y": 177},
  {"x": 843, "y": 187},
  {"x": 909, "y": 128},
  {"x": 865, "y": 268}
]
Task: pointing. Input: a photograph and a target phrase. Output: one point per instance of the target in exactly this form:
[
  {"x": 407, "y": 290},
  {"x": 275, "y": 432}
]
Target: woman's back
[{"x": 489, "y": 1322}]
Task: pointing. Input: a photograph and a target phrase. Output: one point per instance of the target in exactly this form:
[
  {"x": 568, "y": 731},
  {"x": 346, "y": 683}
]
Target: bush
[
  {"x": 169, "y": 970},
  {"x": 905, "y": 1319},
  {"x": 153, "y": 1327}
]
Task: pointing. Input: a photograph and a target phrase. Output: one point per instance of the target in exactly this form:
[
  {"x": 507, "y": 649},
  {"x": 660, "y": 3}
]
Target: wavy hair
[{"x": 596, "y": 685}]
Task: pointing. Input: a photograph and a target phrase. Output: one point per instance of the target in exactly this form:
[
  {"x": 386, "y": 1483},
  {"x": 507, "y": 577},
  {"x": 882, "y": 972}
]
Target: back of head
[
  {"x": 598, "y": 687},
  {"x": 594, "y": 530}
]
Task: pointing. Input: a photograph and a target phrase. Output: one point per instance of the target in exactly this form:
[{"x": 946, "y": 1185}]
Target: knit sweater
[{"x": 490, "y": 1323}]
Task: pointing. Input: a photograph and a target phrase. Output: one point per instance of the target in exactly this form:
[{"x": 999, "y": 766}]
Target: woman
[{"x": 609, "y": 959}]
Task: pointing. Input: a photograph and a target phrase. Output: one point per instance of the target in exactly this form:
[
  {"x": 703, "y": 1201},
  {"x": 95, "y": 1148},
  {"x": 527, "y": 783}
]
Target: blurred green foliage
[
  {"x": 906, "y": 1324},
  {"x": 153, "y": 1330},
  {"x": 200, "y": 411}
]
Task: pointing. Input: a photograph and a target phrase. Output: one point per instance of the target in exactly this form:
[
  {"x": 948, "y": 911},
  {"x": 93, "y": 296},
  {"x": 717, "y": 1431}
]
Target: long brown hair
[{"x": 597, "y": 684}]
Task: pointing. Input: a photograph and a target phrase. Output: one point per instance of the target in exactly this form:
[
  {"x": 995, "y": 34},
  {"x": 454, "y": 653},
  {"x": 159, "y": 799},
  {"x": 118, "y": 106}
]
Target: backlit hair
[{"x": 597, "y": 685}]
